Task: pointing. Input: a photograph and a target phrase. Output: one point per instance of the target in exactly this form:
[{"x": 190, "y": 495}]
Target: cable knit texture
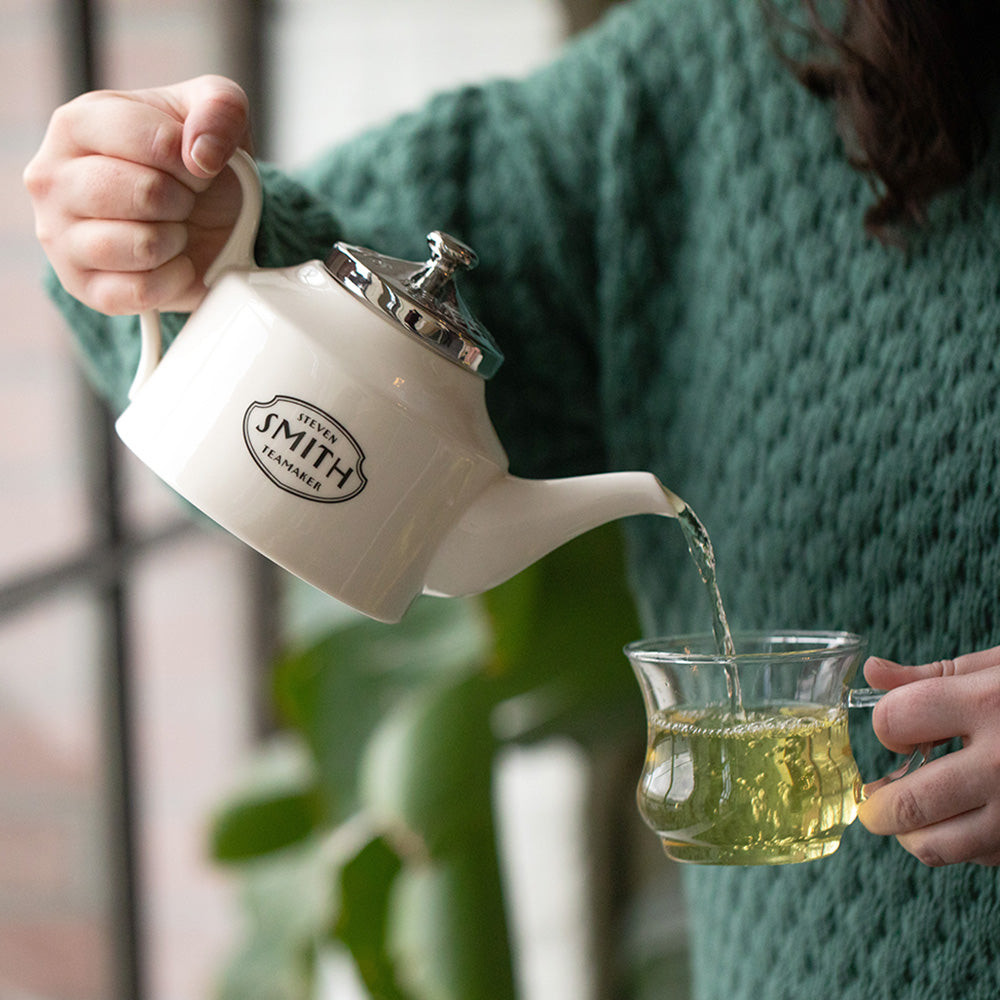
[{"x": 673, "y": 262}]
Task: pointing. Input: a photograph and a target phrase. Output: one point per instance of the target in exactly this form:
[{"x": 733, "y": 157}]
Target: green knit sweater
[{"x": 673, "y": 263}]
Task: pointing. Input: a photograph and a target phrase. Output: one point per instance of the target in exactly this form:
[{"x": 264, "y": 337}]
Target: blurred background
[{"x": 136, "y": 644}]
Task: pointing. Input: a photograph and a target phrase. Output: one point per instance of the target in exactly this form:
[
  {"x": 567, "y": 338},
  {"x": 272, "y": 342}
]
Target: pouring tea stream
[{"x": 332, "y": 415}]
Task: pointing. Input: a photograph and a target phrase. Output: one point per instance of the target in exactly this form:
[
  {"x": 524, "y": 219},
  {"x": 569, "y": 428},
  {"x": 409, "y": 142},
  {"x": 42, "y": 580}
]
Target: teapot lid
[{"x": 422, "y": 298}]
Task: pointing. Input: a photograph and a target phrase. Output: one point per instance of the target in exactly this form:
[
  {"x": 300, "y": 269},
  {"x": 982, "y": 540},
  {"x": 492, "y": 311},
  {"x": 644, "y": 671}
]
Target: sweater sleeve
[{"x": 511, "y": 168}]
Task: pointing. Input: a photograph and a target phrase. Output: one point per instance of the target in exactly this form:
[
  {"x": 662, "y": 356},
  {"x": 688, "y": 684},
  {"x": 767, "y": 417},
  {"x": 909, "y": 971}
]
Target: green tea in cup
[{"x": 772, "y": 782}]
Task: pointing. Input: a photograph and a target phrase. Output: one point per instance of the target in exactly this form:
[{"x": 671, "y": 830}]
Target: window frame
[{"x": 102, "y": 569}]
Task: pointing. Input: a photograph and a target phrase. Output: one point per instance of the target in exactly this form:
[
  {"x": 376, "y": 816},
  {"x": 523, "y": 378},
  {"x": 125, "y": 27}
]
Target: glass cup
[{"x": 748, "y": 760}]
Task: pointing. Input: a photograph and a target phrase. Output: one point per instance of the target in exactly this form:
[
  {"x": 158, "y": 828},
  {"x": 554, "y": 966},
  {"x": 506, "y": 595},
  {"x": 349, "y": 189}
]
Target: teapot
[{"x": 332, "y": 415}]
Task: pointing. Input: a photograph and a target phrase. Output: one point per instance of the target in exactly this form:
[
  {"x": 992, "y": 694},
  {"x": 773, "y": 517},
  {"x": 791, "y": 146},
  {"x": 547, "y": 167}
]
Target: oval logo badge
[{"x": 304, "y": 450}]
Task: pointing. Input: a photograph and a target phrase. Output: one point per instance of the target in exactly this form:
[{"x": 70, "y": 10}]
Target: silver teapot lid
[{"x": 422, "y": 298}]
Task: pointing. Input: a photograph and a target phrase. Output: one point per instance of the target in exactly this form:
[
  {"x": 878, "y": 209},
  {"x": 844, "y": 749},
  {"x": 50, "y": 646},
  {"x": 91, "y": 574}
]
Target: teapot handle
[{"x": 237, "y": 253}]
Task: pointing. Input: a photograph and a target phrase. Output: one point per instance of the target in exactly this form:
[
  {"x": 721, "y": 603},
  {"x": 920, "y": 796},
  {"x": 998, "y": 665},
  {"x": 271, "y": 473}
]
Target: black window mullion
[{"x": 80, "y": 48}]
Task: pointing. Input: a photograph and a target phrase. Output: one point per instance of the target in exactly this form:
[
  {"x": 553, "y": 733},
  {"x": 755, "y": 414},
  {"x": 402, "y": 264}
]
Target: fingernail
[{"x": 209, "y": 153}]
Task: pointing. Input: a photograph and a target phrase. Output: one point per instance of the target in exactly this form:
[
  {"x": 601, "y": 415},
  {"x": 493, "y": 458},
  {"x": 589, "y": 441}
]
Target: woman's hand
[
  {"x": 131, "y": 200},
  {"x": 947, "y": 811}
]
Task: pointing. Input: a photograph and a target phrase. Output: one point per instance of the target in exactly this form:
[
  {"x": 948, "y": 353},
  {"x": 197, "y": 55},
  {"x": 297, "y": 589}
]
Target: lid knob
[
  {"x": 421, "y": 298},
  {"x": 447, "y": 256}
]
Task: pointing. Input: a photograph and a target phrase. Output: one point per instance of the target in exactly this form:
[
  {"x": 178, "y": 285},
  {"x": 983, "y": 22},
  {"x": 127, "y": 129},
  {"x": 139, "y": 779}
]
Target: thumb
[{"x": 216, "y": 116}]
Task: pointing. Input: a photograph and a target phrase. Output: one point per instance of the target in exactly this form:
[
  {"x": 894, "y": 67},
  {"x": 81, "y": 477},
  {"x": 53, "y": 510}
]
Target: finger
[
  {"x": 112, "y": 245},
  {"x": 886, "y": 674},
  {"x": 101, "y": 187},
  {"x": 159, "y": 127},
  {"x": 216, "y": 122},
  {"x": 918, "y": 713},
  {"x": 119, "y": 126},
  {"x": 938, "y": 791},
  {"x": 882, "y": 673},
  {"x": 938, "y": 709},
  {"x": 215, "y": 114},
  {"x": 122, "y": 293},
  {"x": 972, "y": 836}
]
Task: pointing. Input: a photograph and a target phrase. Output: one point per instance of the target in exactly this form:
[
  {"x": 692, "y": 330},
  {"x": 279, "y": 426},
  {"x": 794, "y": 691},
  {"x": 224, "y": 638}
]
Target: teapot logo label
[{"x": 304, "y": 450}]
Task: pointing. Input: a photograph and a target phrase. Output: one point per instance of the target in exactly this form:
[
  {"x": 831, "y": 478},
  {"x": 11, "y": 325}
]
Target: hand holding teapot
[
  {"x": 331, "y": 414},
  {"x": 131, "y": 200}
]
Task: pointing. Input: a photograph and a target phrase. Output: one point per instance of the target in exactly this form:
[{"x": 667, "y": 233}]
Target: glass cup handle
[{"x": 868, "y": 698}]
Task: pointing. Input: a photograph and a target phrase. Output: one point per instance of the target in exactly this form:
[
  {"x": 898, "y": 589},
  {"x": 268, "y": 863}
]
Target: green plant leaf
[
  {"x": 280, "y": 803},
  {"x": 426, "y": 777},
  {"x": 560, "y": 628},
  {"x": 449, "y": 927},
  {"x": 428, "y": 784},
  {"x": 365, "y": 886},
  {"x": 269, "y": 822},
  {"x": 336, "y": 691},
  {"x": 287, "y": 907}
]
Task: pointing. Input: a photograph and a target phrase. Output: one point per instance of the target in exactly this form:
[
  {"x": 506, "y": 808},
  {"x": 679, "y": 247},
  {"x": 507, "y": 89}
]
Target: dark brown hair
[{"x": 912, "y": 81}]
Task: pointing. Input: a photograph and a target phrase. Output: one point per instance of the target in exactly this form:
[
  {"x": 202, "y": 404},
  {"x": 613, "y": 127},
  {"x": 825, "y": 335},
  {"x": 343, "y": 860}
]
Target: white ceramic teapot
[{"x": 332, "y": 415}]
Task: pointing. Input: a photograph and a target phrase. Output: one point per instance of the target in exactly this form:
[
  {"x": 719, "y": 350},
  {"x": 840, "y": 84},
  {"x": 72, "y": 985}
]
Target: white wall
[{"x": 342, "y": 66}]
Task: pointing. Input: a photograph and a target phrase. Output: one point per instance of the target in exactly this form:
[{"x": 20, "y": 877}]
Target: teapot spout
[{"x": 514, "y": 522}]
